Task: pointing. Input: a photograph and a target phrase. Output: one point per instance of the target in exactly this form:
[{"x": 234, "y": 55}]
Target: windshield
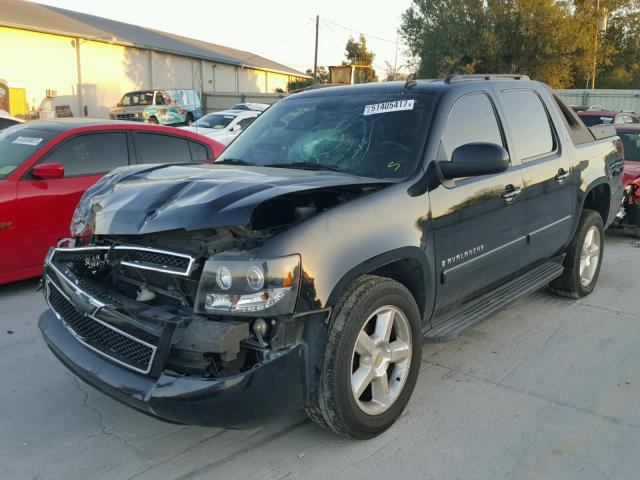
[
  {"x": 137, "y": 98},
  {"x": 378, "y": 136},
  {"x": 215, "y": 121},
  {"x": 592, "y": 120},
  {"x": 631, "y": 145},
  {"x": 18, "y": 143}
]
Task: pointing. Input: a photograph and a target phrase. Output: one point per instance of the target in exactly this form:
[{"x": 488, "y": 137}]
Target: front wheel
[
  {"x": 583, "y": 258},
  {"x": 371, "y": 359}
]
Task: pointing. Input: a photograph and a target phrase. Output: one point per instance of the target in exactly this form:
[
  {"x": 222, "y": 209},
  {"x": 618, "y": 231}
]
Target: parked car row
[{"x": 45, "y": 167}]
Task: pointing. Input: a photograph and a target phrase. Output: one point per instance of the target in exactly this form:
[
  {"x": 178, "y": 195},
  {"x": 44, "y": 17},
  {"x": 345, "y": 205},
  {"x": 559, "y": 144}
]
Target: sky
[{"x": 282, "y": 31}]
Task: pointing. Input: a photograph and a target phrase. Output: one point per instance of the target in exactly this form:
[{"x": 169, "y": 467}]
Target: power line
[
  {"x": 306, "y": 24},
  {"x": 368, "y": 35}
]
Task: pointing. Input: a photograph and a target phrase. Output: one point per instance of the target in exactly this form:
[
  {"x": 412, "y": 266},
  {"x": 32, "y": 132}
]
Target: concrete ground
[{"x": 549, "y": 388}]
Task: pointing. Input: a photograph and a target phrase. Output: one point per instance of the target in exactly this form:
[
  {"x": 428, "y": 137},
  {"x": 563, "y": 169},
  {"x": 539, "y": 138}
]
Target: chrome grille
[
  {"x": 100, "y": 337},
  {"x": 131, "y": 256}
]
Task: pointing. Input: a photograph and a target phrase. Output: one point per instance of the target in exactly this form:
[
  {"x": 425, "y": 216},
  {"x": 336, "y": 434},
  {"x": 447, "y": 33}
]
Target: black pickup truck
[{"x": 307, "y": 265}]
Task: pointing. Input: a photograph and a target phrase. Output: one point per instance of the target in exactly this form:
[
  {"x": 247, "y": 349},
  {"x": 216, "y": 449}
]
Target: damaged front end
[{"x": 175, "y": 330}]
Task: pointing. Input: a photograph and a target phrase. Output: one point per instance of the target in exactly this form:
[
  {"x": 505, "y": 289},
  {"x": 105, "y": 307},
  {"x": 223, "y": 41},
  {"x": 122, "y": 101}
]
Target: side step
[{"x": 480, "y": 308}]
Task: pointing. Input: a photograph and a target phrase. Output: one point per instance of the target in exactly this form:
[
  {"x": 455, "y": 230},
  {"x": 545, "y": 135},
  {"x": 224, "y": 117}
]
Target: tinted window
[
  {"x": 472, "y": 119},
  {"x": 91, "y": 154},
  {"x": 158, "y": 148},
  {"x": 592, "y": 120},
  {"x": 199, "y": 152},
  {"x": 528, "y": 123},
  {"x": 245, "y": 122},
  {"x": 17, "y": 144},
  {"x": 6, "y": 122},
  {"x": 631, "y": 145}
]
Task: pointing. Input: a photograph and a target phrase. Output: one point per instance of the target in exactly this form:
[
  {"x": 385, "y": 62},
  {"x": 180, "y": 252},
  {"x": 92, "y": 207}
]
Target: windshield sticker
[
  {"x": 386, "y": 107},
  {"x": 32, "y": 141}
]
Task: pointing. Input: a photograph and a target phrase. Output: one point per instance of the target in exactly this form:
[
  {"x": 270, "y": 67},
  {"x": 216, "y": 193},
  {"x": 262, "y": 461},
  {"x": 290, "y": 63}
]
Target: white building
[{"x": 85, "y": 61}]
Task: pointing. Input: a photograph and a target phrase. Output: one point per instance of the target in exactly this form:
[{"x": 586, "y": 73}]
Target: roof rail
[{"x": 485, "y": 76}]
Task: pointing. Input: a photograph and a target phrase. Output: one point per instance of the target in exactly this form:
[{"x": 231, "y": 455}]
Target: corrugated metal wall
[{"x": 616, "y": 100}]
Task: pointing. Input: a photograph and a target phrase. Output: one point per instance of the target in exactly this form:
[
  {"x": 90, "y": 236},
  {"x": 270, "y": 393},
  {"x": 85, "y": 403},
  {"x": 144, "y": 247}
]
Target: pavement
[{"x": 547, "y": 389}]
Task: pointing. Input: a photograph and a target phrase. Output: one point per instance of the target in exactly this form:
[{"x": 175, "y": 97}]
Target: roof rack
[{"x": 485, "y": 76}]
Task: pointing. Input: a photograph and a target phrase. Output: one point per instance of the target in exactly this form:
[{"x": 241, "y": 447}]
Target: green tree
[
  {"x": 357, "y": 53},
  {"x": 551, "y": 40},
  {"x": 323, "y": 74}
]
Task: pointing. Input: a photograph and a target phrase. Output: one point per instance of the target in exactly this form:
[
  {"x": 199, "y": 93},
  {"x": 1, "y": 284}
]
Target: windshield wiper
[
  {"x": 305, "y": 166},
  {"x": 232, "y": 161}
]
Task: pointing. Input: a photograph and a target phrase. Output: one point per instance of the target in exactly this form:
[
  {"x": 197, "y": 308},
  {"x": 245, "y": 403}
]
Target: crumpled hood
[{"x": 154, "y": 198}]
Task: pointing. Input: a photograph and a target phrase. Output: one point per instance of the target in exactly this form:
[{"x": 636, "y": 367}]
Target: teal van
[{"x": 164, "y": 107}]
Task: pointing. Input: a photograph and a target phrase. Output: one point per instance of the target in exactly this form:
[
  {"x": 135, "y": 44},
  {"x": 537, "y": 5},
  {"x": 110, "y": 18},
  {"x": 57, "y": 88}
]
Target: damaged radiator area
[{"x": 140, "y": 294}]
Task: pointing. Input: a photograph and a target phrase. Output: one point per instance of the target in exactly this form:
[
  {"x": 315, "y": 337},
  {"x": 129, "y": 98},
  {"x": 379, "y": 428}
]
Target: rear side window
[
  {"x": 158, "y": 148},
  {"x": 528, "y": 123},
  {"x": 199, "y": 152},
  {"x": 91, "y": 154},
  {"x": 471, "y": 119},
  {"x": 245, "y": 122}
]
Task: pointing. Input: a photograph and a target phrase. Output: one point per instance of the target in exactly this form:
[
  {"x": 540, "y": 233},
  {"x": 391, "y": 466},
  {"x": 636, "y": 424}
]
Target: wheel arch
[
  {"x": 408, "y": 266},
  {"x": 597, "y": 197}
]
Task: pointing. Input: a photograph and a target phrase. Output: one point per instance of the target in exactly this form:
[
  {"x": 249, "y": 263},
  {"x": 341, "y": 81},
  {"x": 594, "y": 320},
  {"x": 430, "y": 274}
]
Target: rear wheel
[
  {"x": 636, "y": 232},
  {"x": 189, "y": 119},
  {"x": 371, "y": 359},
  {"x": 583, "y": 258}
]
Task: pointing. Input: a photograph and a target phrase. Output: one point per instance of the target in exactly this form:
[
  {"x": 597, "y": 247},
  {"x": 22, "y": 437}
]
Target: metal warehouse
[{"x": 53, "y": 57}]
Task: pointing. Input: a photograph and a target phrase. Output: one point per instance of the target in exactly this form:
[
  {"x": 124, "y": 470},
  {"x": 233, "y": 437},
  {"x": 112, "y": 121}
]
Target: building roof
[{"x": 43, "y": 18}]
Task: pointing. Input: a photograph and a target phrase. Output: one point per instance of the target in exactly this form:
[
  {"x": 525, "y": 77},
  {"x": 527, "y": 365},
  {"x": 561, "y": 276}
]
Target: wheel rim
[
  {"x": 590, "y": 256},
  {"x": 381, "y": 360}
]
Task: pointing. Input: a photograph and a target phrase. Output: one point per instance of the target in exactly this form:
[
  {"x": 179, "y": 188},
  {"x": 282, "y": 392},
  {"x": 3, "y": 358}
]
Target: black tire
[
  {"x": 189, "y": 119},
  {"x": 569, "y": 283},
  {"x": 154, "y": 120},
  {"x": 636, "y": 232},
  {"x": 335, "y": 407}
]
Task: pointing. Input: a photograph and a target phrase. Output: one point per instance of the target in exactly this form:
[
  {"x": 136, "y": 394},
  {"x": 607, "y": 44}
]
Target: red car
[
  {"x": 45, "y": 167},
  {"x": 630, "y": 136},
  {"x": 599, "y": 117}
]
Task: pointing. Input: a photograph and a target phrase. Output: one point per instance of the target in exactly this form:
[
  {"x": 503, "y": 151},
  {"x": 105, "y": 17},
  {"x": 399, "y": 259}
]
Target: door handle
[
  {"x": 511, "y": 192},
  {"x": 562, "y": 175}
]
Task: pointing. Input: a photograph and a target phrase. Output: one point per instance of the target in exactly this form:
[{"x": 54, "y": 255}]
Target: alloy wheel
[
  {"x": 590, "y": 255},
  {"x": 381, "y": 359}
]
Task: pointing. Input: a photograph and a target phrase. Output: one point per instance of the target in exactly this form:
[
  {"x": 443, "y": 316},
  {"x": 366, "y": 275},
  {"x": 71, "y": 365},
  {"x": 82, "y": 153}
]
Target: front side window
[
  {"x": 91, "y": 154},
  {"x": 17, "y": 144},
  {"x": 158, "y": 148},
  {"x": 379, "y": 136},
  {"x": 528, "y": 123},
  {"x": 471, "y": 119}
]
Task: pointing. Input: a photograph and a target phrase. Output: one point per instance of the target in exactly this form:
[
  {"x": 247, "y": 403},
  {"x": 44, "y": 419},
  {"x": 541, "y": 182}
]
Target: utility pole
[
  {"x": 595, "y": 47},
  {"x": 395, "y": 60},
  {"x": 315, "y": 57}
]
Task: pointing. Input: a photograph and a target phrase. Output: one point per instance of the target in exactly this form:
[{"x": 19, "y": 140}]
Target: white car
[
  {"x": 258, "y": 107},
  {"x": 223, "y": 126},
  {"x": 7, "y": 120}
]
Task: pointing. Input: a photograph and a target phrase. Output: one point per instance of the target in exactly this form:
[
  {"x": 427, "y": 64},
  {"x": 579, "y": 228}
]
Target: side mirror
[
  {"x": 48, "y": 171},
  {"x": 475, "y": 159}
]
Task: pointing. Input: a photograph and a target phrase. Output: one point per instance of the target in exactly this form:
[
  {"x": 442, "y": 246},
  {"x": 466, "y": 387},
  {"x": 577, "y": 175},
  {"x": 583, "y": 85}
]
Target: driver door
[{"x": 478, "y": 222}]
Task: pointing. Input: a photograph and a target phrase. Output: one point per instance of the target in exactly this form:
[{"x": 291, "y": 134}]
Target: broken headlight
[{"x": 242, "y": 286}]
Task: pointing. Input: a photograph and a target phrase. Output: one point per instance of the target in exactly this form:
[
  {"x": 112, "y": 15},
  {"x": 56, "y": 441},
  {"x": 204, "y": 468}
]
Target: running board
[{"x": 473, "y": 313}]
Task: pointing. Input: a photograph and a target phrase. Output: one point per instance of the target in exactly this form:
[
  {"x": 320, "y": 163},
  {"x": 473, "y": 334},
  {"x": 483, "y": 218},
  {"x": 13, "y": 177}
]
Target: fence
[
  {"x": 213, "y": 102},
  {"x": 615, "y": 100}
]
